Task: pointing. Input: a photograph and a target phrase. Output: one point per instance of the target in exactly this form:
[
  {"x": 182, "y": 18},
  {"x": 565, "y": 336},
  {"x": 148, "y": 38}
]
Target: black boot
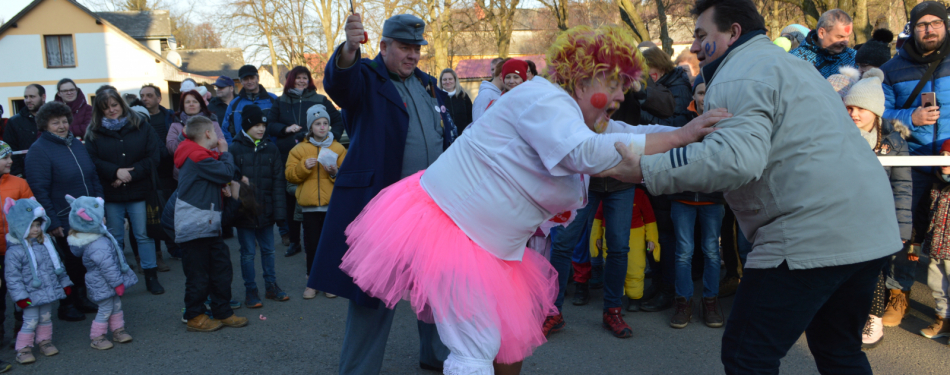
[
  {"x": 151, "y": 281},
  {"x": 581, "y": 294},
  {"x": 67, "y": 312},
  {"x": 81, "y": 300},
  {"x": 662, "y": 301},
  {"x": 293, "y": 249}
]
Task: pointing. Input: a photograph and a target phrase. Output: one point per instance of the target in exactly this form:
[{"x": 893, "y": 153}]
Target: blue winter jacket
[
  {"x": 54, "y": 169},
  {"x": 377, "y": 121},
  {"x": 231, "y": 124},
  {"x": 826, "y": 63},
  {"x": 901, "y": 75},
  {"x": 103, "y": 274}
]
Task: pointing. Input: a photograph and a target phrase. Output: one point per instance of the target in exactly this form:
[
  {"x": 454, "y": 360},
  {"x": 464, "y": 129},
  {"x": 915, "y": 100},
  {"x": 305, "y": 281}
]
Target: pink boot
[
  {"x": 117, "y": 325},
  {"x": 44, "y": 338}
]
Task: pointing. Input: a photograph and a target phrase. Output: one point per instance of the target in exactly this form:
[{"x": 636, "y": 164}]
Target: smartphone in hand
[{"x": 928, "y": 99}]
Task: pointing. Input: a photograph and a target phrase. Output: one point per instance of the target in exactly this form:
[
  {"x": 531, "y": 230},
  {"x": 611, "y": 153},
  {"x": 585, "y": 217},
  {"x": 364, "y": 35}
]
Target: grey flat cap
[{"x": 405, "y": 28}]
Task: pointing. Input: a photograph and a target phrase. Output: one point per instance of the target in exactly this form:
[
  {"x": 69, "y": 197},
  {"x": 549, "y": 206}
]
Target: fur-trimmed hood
[{"x": 85, "y": 218}]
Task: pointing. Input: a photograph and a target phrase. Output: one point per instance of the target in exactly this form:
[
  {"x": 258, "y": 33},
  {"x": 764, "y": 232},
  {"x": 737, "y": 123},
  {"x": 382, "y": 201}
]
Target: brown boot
[
  {"x": 896, "y": 308},
  {"x": 234, "y": 321},
  {"x": 202, "y": 323},
  {"x": 712, "y": 314},
  {"x": 684, "y": 312},
  {"x": 162, "y": 267},
  {"x": 940, "y": 328}
]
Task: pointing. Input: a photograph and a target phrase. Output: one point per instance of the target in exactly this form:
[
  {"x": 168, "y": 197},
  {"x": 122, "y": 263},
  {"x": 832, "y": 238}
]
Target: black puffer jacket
[
  {"x": 893, "y": 144},
  {"x": 130, "y": 147},
  {"x": 20, "y": 133},
  {"x": 292, "y": 109},
  {"x": 460, "y": 108},
  {"x": 677, "y": 81},
  {"x": 264, "y": 169}
]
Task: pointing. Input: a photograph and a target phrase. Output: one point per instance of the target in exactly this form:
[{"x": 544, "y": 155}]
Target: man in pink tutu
[{"x": 451, "y": 239}]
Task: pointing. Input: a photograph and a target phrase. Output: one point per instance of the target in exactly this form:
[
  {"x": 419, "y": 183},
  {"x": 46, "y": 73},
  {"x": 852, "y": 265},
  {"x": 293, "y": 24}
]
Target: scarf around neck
[
  {"x": 324, "y": 143},
  {"x": 116, "y": 124},
  {"x": 917, "y": 55}
]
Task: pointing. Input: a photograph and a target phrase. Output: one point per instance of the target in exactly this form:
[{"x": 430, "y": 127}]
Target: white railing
[{"x": 914, "y": 161}]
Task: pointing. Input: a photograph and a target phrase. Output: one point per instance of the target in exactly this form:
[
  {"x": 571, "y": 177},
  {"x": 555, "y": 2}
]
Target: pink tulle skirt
[{"x": 403, "y": 246}]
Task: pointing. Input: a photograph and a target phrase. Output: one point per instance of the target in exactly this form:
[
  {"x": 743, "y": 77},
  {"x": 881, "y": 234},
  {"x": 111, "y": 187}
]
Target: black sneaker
[{"x": 597, "y": 277}]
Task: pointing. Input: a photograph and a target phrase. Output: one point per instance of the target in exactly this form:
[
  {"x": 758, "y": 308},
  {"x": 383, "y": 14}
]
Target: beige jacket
[{"x": 801, "y": 180}]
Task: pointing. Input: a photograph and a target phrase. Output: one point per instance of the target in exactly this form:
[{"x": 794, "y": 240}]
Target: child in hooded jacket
[
  {"x": 35, "y": 275},
  {"x": 107, "y": 273}
]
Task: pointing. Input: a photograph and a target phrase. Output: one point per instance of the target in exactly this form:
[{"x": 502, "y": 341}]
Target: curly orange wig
[{"x": 583, "y": 52}]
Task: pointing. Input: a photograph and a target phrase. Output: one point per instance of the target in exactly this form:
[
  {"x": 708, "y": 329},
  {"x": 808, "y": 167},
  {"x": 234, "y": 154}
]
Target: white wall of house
[{"x": 103, "y": 55}]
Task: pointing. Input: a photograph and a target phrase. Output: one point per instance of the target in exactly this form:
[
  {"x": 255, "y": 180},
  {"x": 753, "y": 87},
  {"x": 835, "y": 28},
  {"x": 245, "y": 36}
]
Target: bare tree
[
  {"x": 665, "y": 39},
  {"x": 560, "y": 10},
  {"x": 630, "y": 14},
  {"x": 332, "y": 16},
  {"x": 253, "y": 19},
  {"x": 201, "y": 35},
  {"x": 499, "y": 14}
]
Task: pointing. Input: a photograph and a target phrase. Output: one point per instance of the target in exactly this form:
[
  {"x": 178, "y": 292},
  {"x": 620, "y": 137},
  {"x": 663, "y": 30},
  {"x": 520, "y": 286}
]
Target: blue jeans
[
  {"x": 774, "y": 306},
  {"x": 115, "y": 222},
  {"x": 618, "y": 210},
  {"x": 684, "y": 222},
  {"x": 743, "y": 245},
  {"x": 265, "y": 238}
]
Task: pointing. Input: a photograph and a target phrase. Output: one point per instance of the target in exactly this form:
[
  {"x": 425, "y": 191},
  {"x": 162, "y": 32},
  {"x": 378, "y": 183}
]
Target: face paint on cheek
[
  {"x": 709, "y": 49},
  {"x": 599, "y": 100}
]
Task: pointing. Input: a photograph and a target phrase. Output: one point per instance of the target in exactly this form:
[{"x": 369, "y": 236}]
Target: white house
[{"x": 54, "y": 39}]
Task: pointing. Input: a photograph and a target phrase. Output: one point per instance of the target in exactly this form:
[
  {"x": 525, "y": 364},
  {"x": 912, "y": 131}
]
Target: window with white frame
[{"x": 59, "y": 51}]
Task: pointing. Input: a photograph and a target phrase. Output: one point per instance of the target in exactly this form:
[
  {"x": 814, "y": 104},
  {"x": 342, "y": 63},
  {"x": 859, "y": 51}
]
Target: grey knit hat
[
  {"x": 868, "y": 92},
  {"x": 315, "y": 112}
]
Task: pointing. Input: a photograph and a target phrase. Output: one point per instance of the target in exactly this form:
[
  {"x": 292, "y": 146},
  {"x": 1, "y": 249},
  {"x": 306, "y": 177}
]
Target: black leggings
[{"x": 313, "y": 225}]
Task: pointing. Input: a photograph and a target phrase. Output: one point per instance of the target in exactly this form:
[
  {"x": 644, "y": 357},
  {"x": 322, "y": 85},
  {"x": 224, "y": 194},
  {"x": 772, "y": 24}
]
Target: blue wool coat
[{"x": 376, "y": 120}]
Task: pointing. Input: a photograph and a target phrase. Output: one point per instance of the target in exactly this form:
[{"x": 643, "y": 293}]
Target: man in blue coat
[
  {"x": 398, "y": 125},
  {"x": 252, "y": 94}
]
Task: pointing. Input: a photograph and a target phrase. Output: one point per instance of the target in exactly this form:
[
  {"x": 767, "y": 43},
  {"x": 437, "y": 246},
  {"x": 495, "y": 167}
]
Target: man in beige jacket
[{"x": 805, "y": 188}]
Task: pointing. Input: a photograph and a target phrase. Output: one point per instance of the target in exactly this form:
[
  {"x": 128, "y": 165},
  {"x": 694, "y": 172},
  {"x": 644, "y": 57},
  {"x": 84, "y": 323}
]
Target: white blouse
[{"x": 523, "y": 162}]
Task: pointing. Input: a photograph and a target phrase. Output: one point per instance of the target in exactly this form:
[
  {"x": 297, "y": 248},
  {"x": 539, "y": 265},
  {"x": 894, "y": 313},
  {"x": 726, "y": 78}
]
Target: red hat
[
  {"x": 945, "y": 146},
  {"x": 515, "y": 66}
]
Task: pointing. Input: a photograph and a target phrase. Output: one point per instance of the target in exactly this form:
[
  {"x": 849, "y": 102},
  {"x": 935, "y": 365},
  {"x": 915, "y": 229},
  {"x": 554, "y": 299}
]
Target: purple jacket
[{"x": 82, "y": 113}]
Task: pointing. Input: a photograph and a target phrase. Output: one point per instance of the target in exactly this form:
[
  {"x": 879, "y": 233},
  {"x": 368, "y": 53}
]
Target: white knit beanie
[{"x": 868, "y": 92}]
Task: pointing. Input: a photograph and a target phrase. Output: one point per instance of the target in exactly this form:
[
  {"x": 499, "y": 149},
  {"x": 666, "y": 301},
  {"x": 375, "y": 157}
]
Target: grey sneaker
[
  {"x": 121, "y": 336},
  {"x": 101, "y": 343},
  {"x": 47, "y": 348},
  {"x": 25, "y": 355}
]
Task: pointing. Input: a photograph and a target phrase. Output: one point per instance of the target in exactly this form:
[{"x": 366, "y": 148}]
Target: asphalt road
[{"x": 304, "y": 337}]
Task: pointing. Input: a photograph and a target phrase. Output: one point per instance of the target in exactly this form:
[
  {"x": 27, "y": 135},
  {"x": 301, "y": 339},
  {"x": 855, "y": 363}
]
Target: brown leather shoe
[
  {"x": 683, "y": 314},
  {"x": 234, "y": 321},
  {"x": 896, "y": 308},
  {"x": 712, "y": 314},
  {"x": 202, "y": 323}
]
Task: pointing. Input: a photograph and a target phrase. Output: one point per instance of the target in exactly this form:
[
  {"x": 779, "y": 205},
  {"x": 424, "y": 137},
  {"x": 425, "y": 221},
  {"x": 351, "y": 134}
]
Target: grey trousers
[{"x": 364, "y": 341}]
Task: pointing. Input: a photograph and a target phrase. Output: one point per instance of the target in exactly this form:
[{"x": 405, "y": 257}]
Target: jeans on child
[
  {"x": 938, "y": 279},
  {"x": 34, "y": 316},
  {"x": 265, "y": 239},
  {"x": 107, "y": 308}
]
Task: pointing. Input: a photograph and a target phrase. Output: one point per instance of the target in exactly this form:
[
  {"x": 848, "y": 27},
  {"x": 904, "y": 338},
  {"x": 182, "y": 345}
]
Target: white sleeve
[
  {"x": 622, "y": 127},
  {"x": 597, "y": 154}
]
